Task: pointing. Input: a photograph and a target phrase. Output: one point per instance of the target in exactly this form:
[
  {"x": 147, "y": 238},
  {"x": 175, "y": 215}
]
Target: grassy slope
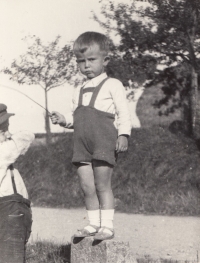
[{"x": 159, "y": 174}]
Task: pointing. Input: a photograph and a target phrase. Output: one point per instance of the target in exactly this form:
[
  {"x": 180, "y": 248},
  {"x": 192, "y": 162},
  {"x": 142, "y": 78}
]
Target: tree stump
[{"x": 88, "y": 250}]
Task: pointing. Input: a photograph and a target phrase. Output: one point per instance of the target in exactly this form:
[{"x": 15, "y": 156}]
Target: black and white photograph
[{"x": 100, "y": 131}]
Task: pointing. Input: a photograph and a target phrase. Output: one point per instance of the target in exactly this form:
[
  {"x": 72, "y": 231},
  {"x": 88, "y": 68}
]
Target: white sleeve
[
  {"x": 74, "y": 104},
  {"x": 121, "y": 105},
  {"x": 12, "y": 149}
]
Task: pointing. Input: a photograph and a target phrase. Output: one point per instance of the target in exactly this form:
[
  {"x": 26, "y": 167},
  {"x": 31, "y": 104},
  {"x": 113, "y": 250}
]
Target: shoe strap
[{"x": 106, "y": 228}]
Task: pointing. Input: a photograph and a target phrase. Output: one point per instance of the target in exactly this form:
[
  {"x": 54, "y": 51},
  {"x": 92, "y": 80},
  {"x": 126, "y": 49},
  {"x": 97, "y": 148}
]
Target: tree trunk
[
  {"x": 193, "y": 95},
  {"x": 47, "y": 121},
  {"x": 194, "y": 104}
]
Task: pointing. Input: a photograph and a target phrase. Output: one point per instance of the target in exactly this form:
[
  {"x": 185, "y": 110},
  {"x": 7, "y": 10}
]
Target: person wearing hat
[{"x": 15, "y": 211}]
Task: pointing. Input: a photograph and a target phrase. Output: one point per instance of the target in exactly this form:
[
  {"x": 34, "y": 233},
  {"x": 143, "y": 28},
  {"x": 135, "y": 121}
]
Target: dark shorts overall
[
  {"x": 15, "y": 227},
  {"x": 95, "y": 135}
]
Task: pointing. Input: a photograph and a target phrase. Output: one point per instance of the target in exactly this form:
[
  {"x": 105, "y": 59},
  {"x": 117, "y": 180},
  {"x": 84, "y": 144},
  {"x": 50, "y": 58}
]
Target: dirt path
[{"x": 176, "y": 238}]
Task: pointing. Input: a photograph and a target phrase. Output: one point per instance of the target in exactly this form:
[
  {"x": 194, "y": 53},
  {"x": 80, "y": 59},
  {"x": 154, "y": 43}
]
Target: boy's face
[{"x": 92, "y": 62}]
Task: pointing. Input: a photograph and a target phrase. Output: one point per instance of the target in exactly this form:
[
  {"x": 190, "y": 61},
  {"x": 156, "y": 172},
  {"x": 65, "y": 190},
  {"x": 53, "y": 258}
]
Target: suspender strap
[
  {"x": 88, "y": 90},
  {"x": 83, "y": 91},
  {"x": 13, "y": 179},
  {"x": 96, "y": 92},
  {"x": 94, "y": 95}
]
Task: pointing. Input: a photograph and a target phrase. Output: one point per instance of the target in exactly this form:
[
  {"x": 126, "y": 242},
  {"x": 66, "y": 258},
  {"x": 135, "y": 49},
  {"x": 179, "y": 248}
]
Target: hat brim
[{"x": 6, "y": 117}]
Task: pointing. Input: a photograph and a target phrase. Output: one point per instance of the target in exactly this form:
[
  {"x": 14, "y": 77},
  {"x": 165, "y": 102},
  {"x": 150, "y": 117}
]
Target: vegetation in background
[
  {"x": 160, "y": 32},
  {"x": 48, "y": 66}
]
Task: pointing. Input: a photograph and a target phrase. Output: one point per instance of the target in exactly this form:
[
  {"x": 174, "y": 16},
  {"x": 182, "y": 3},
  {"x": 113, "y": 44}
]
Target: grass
[{"x": 47, "y": 252}]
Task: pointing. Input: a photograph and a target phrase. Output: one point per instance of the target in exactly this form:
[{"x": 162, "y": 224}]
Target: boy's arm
[
  {"x": 13, "y": 148},
  {"x": 121, "y": 106},
  {"x": 58, "y": 118},
  {"x": 74, "y": 104},
  {"x": 123, "y": 115},
  {"x": 67, "y": 120},
  {"x": 122, "y": 143}
]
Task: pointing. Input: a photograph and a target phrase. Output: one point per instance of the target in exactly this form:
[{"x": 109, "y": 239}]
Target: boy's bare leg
[
  {"x": 103, "y": 174},
  {"x": 86, "y": 178}
]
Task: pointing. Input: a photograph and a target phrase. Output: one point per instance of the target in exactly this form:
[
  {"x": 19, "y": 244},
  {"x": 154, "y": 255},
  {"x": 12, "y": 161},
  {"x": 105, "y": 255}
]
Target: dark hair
[{"x": 87, "y": 39}]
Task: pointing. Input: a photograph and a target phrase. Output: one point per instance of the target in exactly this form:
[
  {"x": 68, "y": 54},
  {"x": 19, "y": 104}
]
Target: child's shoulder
[
  {"x": 114, "y": 80},
  {"x": 114, "y": 83}
]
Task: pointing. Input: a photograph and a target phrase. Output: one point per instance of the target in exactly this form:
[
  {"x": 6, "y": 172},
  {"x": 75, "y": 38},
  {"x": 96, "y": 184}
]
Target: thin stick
[{"x": 26, "y": 96}]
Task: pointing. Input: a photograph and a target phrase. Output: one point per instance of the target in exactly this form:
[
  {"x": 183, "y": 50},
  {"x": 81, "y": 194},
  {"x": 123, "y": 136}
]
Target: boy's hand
[
  {"x": 122, "y": 144},
  {"x": 57, "y": 118}
]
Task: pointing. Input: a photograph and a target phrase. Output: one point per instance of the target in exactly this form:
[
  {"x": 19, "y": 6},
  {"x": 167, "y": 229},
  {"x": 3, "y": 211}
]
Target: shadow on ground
[
  {"x": 63, "y": 253},
  {"x": 47, "y": 252}
]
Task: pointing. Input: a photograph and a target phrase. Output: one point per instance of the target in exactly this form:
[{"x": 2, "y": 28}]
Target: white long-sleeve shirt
[
  {"x": 10, "y": 150},
  {"x": 111, "y": 98}
]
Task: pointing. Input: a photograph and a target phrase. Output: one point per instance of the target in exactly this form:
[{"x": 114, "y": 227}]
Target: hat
[{"x": 3, "y": 113}]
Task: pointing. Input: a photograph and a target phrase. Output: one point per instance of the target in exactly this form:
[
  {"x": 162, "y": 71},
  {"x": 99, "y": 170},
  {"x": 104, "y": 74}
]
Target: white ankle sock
[
  {"x": 94, "y": 217},
  {"x": 107, "y": 217}
]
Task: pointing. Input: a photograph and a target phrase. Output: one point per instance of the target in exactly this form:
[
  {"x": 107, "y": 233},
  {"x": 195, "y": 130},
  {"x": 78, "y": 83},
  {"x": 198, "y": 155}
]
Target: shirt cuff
[
  {"x": 124, "y": 132},
  {"x": 125, "y": 135},
  {"x": 69, "y": 126},
  {"x": 69, "y": 121}
]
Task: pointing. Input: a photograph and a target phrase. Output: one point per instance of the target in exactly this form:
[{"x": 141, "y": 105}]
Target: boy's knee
[
  {"x": 88, "y": 189},
  {"x": 103, "y": 187}
]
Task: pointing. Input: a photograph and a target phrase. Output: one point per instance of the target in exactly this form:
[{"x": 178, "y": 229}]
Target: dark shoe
[
  {"x": 86, "y": 233},
  {"x": 103, "y": 235}
]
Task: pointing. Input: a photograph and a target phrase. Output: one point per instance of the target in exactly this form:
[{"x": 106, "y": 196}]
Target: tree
[
  {"x": 45, "y": 65},
  {"x": 129, "y": 64},
  {"x": 170, "y": 31},
  {"x": 130, "y": 69}
]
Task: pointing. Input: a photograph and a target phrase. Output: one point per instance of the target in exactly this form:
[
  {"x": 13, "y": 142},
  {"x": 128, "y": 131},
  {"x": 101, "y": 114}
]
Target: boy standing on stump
[{"x": 102, "y": 125}]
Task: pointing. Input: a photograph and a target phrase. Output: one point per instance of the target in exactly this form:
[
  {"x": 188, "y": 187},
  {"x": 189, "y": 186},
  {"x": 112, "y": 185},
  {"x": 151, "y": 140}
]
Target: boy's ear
[{"x": 106, "y": 60}]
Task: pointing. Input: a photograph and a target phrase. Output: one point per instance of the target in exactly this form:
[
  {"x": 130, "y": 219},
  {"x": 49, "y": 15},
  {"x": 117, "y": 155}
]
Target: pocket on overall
[
  {"x": 15, "y": 227},
  {"x": 15, "y": 219}
]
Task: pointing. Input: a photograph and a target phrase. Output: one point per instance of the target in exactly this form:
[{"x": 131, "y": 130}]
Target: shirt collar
[{"x": 95, "y": 81}]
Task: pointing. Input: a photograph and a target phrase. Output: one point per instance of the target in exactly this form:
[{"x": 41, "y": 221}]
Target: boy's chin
[{"x": 92, "y": 75}]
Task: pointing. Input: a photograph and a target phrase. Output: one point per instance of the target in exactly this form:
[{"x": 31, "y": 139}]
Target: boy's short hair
[{"x": 87, "y": 39}]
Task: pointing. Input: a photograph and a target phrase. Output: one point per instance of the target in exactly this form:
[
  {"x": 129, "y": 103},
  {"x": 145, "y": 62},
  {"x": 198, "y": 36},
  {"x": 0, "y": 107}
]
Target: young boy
[
  {"x": 15, "y": 211},
  {"x": 102, "y": 125}
]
